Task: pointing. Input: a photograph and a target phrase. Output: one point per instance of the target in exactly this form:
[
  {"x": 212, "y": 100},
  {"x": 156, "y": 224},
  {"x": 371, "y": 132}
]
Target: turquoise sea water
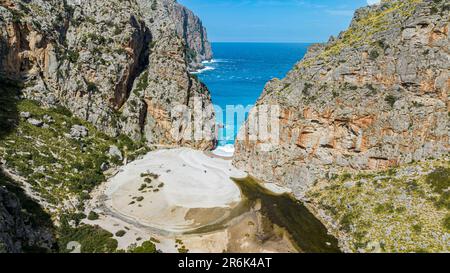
[{"x": 238, "y": 73}]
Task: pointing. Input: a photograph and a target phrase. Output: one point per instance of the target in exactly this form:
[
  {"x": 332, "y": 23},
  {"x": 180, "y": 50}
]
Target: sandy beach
[
  {"x": 181, "y": 194},
  {"x": 169, "y": 190}
]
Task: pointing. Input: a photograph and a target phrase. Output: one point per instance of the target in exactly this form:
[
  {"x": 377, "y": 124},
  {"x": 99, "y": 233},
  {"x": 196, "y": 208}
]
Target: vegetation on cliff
[
  {"x": 371, "y": 102},
  {"x": 367, "y": 26},
  {"x": 56, "y": 164},
  {"x": 38, "y": 146},
  {"x": 404, "y": 209}
]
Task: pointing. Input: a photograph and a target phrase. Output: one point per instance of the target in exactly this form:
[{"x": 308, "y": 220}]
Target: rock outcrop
[
  {"x": 373, "y": 98},
  {"x": 191, "y": 29},
  {"x": 21, "y": 227},
  {"x": 121, "y": 65}
]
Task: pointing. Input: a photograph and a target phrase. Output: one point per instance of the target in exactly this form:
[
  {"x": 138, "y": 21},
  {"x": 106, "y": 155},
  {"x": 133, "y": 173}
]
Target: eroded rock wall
[
  {"x": 111, "y": 63},
  {"x": 23, "y": 227},
  {"x": 373, "y": 98}
]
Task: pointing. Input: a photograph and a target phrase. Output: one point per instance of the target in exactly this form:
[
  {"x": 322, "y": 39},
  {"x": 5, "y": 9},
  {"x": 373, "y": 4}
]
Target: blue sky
[{"x": 274, "y": 20}]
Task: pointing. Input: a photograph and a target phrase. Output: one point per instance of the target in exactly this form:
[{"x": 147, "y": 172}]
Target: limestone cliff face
[
  {"x": 121, "y": 65},
  {"x": 375, "y": 97},
  {"x": 186, "y": 24},
  {"x": 191, "y": 29}
]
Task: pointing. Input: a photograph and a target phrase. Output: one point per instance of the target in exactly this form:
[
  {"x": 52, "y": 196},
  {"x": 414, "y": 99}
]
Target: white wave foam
[
  {"x": 213, "y": 61},
  {"x": 225, "y": 151},
  {"x": 207, "y": 68}
]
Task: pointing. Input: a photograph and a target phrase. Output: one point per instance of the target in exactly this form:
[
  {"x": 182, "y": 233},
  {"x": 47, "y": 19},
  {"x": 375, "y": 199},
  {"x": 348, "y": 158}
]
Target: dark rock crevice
[{"x": 141, "y": 45}]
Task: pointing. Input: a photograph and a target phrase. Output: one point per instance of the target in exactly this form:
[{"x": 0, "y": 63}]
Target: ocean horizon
[{"x": 238, "y": 73}]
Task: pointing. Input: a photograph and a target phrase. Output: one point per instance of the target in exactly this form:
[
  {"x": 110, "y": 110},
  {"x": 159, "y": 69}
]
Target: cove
[
  {"x": 238, "y": 73},
  {"x": 237, "y": 76}
]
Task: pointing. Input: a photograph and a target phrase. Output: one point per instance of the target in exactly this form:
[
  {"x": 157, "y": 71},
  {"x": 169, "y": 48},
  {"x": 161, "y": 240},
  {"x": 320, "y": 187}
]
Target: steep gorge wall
[
  {"x": 192, "y": 30},
  {"x": 373, "y": 98},
  {"x": 121, "y": 65},
  {"x": 24, "y": 227}
]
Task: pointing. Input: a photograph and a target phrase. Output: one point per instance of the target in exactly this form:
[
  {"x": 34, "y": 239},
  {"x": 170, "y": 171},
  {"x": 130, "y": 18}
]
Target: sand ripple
[{"x": 189, "y": 182}]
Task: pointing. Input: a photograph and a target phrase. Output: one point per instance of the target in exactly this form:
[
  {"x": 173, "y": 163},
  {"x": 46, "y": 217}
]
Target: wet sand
[{"x": 186, "y": 195}]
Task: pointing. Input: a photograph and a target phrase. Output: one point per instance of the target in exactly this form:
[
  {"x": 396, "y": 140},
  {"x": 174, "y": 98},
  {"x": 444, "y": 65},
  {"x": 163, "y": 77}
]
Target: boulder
[
  {"x": 35, "y": 122},
  {"x": 114, "y": 151},
  {"x": 25, "y": 115},
  {"x": 48, "y": 119},
  {"x": 78, "y": 132}
]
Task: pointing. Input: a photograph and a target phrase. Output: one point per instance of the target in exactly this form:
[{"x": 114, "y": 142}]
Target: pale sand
[
  {"x": 226, "y": 151},
  {"x": 198, "y": 193},
  {"x": 277, "y": 189},
  {"x": 191, "y": 180}
]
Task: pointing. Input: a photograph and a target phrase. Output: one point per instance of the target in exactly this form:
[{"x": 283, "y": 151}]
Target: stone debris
[
  {"x": 78, "y": 132},
  {"x": 35, "y": 122},
  {"x": 114, "y": 151}
]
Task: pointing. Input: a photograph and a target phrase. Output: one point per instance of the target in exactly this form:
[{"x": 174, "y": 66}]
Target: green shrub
[
  {"x": 384, "y": 208},
  {"x": 391, "y": 100},
  {"x": 346, "y": 221},
  {"x": 446, "y": 223},
  {"x": 417, "y": 228},
  {"x": 346, "y": 176},
  {"x": 373, "y": 54},
  {"x": 143, "y": 82},
  {"x": 148, "y": 180},
  {"x": 307, "y": 88},
  {"x": 439, "y": 181},
  {"x": 93, "y": 216},
  {"x": 183, "y": 249},
  {"x": 146, "y": 247},
  {"x": 62, "y": 111},
  {"x": 92, "y": 239},
  {"x": 76, "y": 217},
  {"x": 120, "y": 233},
  {"x": 92, "y": 87},
  {"x": 73, "y": 56},
  {"x": 154, "y": 5}
]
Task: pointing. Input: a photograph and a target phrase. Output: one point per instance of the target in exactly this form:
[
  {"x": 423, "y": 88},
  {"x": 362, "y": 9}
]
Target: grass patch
[
  {"x": 92, "y": 239},
  {"x": 93, "y": 216},
  {"x": 67, "y": 167},
  {"x": 121, "y": 233},
  {"x": 391, "y": 100},
  {"x": 400, "y": 208},
  {"x": 364, "y": 29},
  {"x": 146, "y": 247}
]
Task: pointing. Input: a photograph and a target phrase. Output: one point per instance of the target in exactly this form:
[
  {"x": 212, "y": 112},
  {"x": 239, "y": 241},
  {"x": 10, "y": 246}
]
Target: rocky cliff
[
  {"x": 24, "y": 227},
  {"x": 191, "y": 29},
  {"x": 374, "y": 98},
  {"x": 121, "y": 65},
  {"x": 84, "y": 87}
]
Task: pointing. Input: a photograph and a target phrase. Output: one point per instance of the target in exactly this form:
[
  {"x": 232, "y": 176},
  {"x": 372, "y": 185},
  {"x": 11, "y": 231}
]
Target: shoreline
[{"x": 209, "y": 214}]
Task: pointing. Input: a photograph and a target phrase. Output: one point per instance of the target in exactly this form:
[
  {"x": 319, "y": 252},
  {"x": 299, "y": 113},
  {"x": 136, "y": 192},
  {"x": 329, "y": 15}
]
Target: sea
[{"x": 236, "y": 78}]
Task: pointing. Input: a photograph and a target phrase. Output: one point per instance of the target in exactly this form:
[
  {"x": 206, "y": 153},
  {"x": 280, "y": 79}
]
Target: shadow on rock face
[
  {"x": 306, "y": 231},
  {"x": 9, "y": 97},
  {"x": 27, "y": 228}
]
